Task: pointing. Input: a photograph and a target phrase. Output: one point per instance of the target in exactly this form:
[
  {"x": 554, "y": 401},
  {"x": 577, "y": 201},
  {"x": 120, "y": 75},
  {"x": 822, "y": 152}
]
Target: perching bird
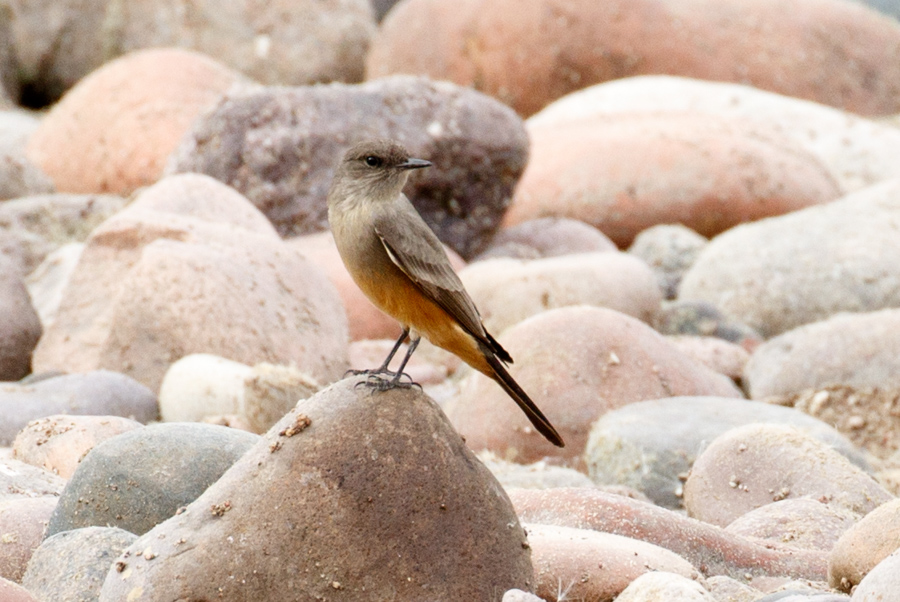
[{"x": 401, "y": 266}]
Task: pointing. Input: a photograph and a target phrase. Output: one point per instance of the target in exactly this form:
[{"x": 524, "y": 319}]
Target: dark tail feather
[{"x": 534, "y": 413}]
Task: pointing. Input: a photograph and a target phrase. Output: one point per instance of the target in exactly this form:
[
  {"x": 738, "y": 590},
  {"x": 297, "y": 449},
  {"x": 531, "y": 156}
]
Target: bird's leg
[
  {"x": 383, "y": 368},
  {"x": 382, "y": 384}
]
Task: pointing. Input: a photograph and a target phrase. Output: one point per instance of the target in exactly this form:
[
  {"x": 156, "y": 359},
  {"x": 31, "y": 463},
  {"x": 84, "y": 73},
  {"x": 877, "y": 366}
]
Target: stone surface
[
  {"x": 652, "y": 587},
  {"x": 47, "y": 283},
  {"x": 58, "y": 443},
  {"x": 628, "y": 172},
  {"x": 882, "y": 583},
  {"x": 572, "y": 564},
  {"x": 279, "y": 146},
  {"x": 547, "y": 237},
  {"x": 71, "y": 566},
  {"x": 651, "y": 445},
  {"x": 97, "y": 393},
  {"x": 142, "y": 477},
  {"x": 726, "y": 589},
  {"x": 856, "y": 151},
  {"x": 864, "y": 545},
  {"x": 506, "y": 291},
  {"x": 855, "y": 350},
  {"x": 757, "y": 464},
  {"x": 12, "y": 592},
  {"x": 529, "y": 53},
  {"x": 576, "y": 363},
  {"x": 399, "y": 507},
  {"x": 9, "y": 82},
  {"x": 22, "y": 524},
  {"x": 717, "y": 354},
  {"x": 539, "y": 475},
  {"x": 801, "y": 522},
  {"x": 700, "y": 318},
  {"x": 669, "y": 250},
  {"x": 712, "y": 550},
  {"x": 122, "y": 128},
  {"x": 21, "y": 176},
  {"x": 20, "y": 480},
  {"x": 794, "y": 269},
  {"x": 192, "y": 267},
  {"x": 517, "y": 595},
  {"x": 20, "y": 326}
]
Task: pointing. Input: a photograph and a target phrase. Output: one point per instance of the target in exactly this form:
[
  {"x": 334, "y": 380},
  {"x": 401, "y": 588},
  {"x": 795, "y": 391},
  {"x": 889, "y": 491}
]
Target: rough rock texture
[
  {"x": 506, "y": 291},
  {"x": 712, "y": 550},
  {"x": 653, "y": 587},
  {"x": 782, "y": 272},
  {"x": 20, "y": 176},
  {"x": 121, "y": 127},
  {"x": 539, "y": 475},
  {"x": 700, "y": 318},
  {"x": 757, "y": 464},
  {"x": 651, "y": 445},
  {"x": 669, "y": 250},
  {"x": 22, "y": 523},
  {"x": 142, "y": 477},
  {"x": 58, "y": 443},
  {"x": 18, "y": 479},
  {"x": 547, "y": 237},
  {"x": 20, "y": 326},
  {"x": 321, "y": 507},
  {"x": 279, "y": 146},
  {"x": 856, "y": 151},
  {"x": 864, "y": 545},
  {"x": 802, "y": 522},
  {"x": 528, "y": 53},
  {"x": 720, "y": 355},
  {"x": 855, "y": 350},
  {"x": 881, "y": 583},
  {"x": 190, "y": 266},
  {"x": 71, "y": 566},
  {"x": 97, "y": 393},
  {"x": 47, "y": 283},
  {"x": 628, "y": 172},
  {"x": 576, "y": 363}
]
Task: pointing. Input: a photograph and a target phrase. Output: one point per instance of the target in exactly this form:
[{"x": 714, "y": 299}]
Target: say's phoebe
[{"x": 400, "y": 264}]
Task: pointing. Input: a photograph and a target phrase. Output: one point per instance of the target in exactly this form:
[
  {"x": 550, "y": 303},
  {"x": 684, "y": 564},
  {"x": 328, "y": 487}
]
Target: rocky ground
[{"x": 681, "y": 218}]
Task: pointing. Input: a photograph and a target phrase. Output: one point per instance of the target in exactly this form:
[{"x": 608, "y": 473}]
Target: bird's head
[{"x": 376, "y": 168}]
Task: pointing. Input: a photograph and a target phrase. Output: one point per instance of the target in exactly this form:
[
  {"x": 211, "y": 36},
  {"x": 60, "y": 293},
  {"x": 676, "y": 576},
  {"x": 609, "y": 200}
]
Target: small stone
[
  {"x": 669, "y": 250},
  {"x": 864, "y": 545}
]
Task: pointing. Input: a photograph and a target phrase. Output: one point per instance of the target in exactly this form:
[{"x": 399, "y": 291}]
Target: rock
[
  {"x": 121, "y": 127},
  {"x": 358, "y": 456},
  {"x": 20, "y": 480},
  {"x": 539, "y": 475},
  {"x": 9, "y": 83},
  {"x": 278, "y": 146},
  {"x": 864, "y": 545},
  {"x": 517, "y": 595},
  {"x": 708, "y": 173},
  {"x": 47, "y": 283},
  {"x": 757, "y": 464},
  {"x": 22, "y": 524},
  {"x": 271, "y": 391},
  {"x": 669, "y": 250},
  {"x": 547, "y": 237},
  {"x": 16, "y": 127},
  {"x": 506, "y": 291},
  {"x": 651, "y": 445},
  {"x": 12, "y": 592},
  {"x": 20, "y": 176},
  {"x": 58, "y": 443},
  {"x": 530, "y": 53},
  {"x": 96, "y": 393},
  {"x": 832, "y": 258},
  {"x": 424, "y": 368},
  {"x": 699, "y": 318},
  {"x": 713, "y": 550},
  {"x": 801, "y": 522},
  {"x": 20, "y": 326},
  {"x": 588, "y": 565},
  {"x": 726, "y": 589},
  {"x": 856, "y": 151},
  {"x": 854, "y": 350},
  {"x": 717, "y": 354},
  {"x": 652, "y": 587},
  {"x": 191, "y": 267},
  {"x": 72, "y": 565},
  {"x": 142, "y": 477},
  {"x": 882, "y": 582},
  {"x": 577, "y": 363}
]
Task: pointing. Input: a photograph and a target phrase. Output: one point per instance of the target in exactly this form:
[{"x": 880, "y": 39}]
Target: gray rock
[
  {"x": 71, "y": 566},
  {"x": 98, "y": 393},
  {"x": 651, "y": 445},
  {"x": 278, "y": 146},
  {"x": 18, "y": 479},
  {"x": 47, "y": 283},
  {"x": 538, "y": 475},
  {"x": 9, "y": 82},
  {"x": 888, "y": 7},
  {"x": 653, "y": 587},
  {"x": 699, "y": 318},
  {"x": 783, "y": 272},
  {"x": 726, "y": 589},
  {"x": 20, "y": 326},
  {"x": 353, "y": 495},
  {"x": 547, "y": 237},
  {"x": 140, "y": 478},
  {"x": 669, "y": 250}
]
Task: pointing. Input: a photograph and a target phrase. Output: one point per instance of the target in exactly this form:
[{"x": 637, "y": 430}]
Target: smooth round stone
[
  {"x": 517, "y": 595},
  {"x": 547, "y": 237},
  {"x": 201, "y": 385},
  {"x": 657, "y": 586},
  {"x": 801, "y": 522},
  {"x": 47, "y": 283},
  {"x": 71, "y": 566},
  {"x": 140, "y": 478},
  {"x": 669, "y": 250},
  {"x": 718, "y": 354},
  {"x": 701, "y": 318},
  {"x": 882, "y": 583},
  {"x": 18, "y": 479},
  {"x": 726, "y": 589},
  {"x": 539, "y": 475},
  {"x": 22, "y": 523},
  {"x": 651, "y": 445},
  {"x": 20, "y": 327},
  {"x": 12, "y": 592},
  {"x": 864, "y": 545}
]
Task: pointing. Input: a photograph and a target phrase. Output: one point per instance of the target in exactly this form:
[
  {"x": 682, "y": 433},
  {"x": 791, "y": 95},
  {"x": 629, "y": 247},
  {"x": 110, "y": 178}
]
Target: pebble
[
  {"x": 718, "y": 354},
  {"x": 669, "y": 250},
  {"x": 864, "y": 545},
  {"x": 539, "y": 475},
  {"x": 701, "y": 318},
  {"x": 20, "y": 327},
  {"x": 802, "y": 522},
  {"x": 547, "y": 237},
  {"x": 661, "y": 585},
  {"x": 48, "y": 281},
  {"x": 882, "y": 583},
  {"x": 22, "y": 523},
  {"x": 13, "y": 592},
  {"x": 21, "y": 480}
]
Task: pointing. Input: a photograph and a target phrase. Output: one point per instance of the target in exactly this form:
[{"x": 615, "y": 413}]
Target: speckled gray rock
[
  {"x": 20, "y": 177},
  {"x": 100, "y": 392},
  {"x": 351, "y": 496},
  {"x": 700, "y": 318},
  {"x": 657, "y": 586},
  {"x": 726, "y": 589},
  {"x": 18, "y": 479},
  {"x": 140, "y": 478},
  {"x": 888, "y": 7},
  {"x": 278, "y": 146},
  {"x": 669, "y": 250},
  {"x": 20, "y": 326},
  {"x": 651, "y": 445},
  {"x": 538, "y": 475},
  {"x": 71, "y": 566},
  {"x": 547, "y": 237},
  {"x": 782, "y": 272}
]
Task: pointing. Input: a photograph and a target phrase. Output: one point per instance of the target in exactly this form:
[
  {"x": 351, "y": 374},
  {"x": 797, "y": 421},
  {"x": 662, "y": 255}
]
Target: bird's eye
[{"x": 373, "y": 161}]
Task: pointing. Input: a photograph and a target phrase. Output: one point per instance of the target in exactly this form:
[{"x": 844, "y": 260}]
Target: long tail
[{"x": 513, "y": 389}]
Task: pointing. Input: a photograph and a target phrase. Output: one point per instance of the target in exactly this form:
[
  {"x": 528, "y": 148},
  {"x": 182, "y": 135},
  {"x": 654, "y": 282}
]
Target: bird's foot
[{"x": 386, "y": 380}]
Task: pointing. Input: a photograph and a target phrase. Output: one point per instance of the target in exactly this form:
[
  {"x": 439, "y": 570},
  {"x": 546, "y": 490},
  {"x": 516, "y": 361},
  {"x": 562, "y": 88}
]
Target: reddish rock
[
  {"x": 625, "y": 173},
  {"x": 114, "y": 130},
  {"x": 717, "y": 354},
  {"x": 757, "y": 464},
  {"x": 576, "y": 363},
  {"x": 580, "y": 564},
  {"x": 801, "y": 522},
  {"x": 12, "y": 592},
  {"x": 528, "y": 53},
  {"x": 547, "y": 237},
  {"x": 22, "y": 524},
  {"x": 864, "y": 545},
  {"x": 58, "y": 443}
]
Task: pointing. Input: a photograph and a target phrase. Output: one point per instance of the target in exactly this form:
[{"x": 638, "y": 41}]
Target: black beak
[{"x": 414, "y": 164}]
